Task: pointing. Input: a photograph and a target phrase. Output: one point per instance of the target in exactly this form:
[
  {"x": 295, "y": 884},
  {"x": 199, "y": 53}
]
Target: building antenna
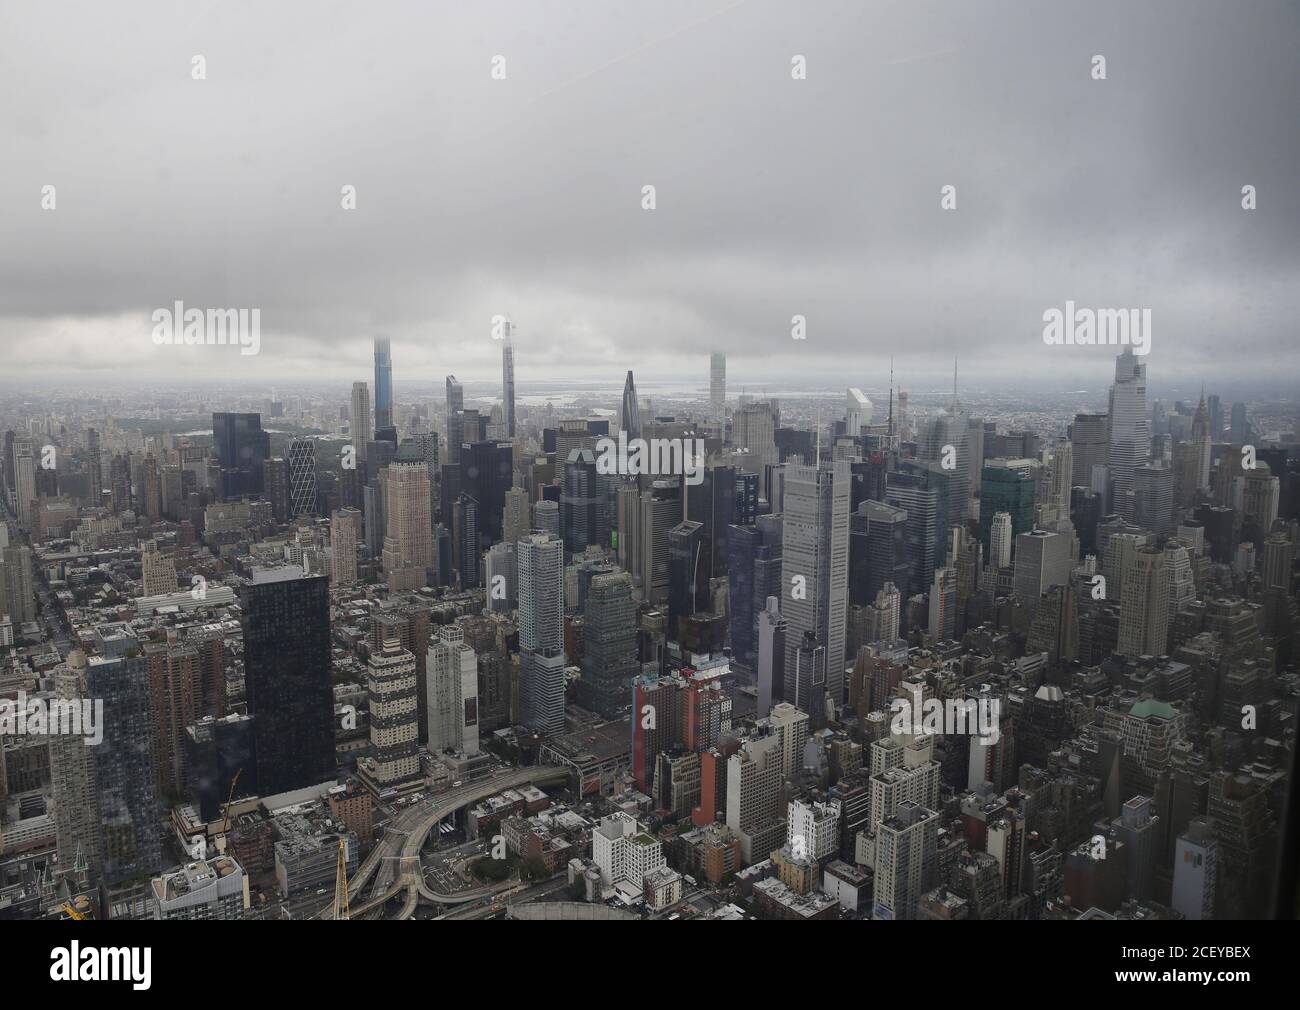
[{"x": 891, "y": 394}]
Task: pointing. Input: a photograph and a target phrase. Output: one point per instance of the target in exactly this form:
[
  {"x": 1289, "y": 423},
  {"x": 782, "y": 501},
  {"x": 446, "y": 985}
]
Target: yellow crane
[
  {"x": 341, "y": 908},
  {"x": 72, "y": 912}
]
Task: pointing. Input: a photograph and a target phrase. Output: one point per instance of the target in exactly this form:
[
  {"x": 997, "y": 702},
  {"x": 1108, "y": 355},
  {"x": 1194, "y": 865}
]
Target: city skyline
[{"x": 606, "y": 462}]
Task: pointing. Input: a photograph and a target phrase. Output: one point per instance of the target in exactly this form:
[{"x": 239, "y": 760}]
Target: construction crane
[
  {"x": 72, "y": 912},
  {"x": 225, "y": 823},
  {"x": 341, "y": 908}
]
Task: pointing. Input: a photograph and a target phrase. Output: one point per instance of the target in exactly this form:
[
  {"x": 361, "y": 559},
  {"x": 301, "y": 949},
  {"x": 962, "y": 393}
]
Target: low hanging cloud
[{"x": 478, "y": 194}]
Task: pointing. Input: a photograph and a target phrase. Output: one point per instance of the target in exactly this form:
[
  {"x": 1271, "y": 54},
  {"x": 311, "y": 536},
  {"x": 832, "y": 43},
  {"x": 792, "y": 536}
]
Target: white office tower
[
  {"x": 943, "y": 604},
  {"x": 718, "y": 386},
  {"x": 901, "y": 773},
  {"x": 408, "y": 547},
  {"x": 1195, "y": 863},
  {"x": 24, "y": 480},
  {"x": 394, "y": 719},
  {"x": 359, "y": 423},
  {"x": 158, "y": 572},
  {"x": 1144, "y": 605},
  {"x": 1042, "y": 561},
  {"x": 790, "y": 726},
  {"x": 451, "y": 672},
  {"x": 624, "y": 852},
  {"x": 815, "y": 565},
  {"x": 907, "y": 849},
  {"x": 345, "y": 531},
  {"x": 812, "y": 830},
  {"x": 302, "y": 477},
  {"x": 1130, "y": 430},
  {"x": 540, "y": 560},
  {"x": 753, "y": 797},
  {"x": 857, "y": 411},
  {"x": 1000, "y": 541},
  {"x": 771, "y": 654}
]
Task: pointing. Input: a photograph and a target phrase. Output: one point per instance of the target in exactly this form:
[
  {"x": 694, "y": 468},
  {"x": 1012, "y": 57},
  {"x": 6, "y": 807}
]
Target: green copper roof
[{"x": 1148, "y": 707}]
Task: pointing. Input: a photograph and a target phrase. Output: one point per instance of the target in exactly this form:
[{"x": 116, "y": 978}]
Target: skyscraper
[
  {"x": 455, "y": 433},
  {"x": 508, "y": 379},
  {"x": 24, "y": 480},
  {"x": 1130, "y": 430},
  {"x": 717, "y": 386},
  {"x": 345, "y": 531},
  {"x": 129, "y": 824},
  {"x": 359, "y": 425},
  {"x": 453, "y": 693},
  {"x": 242, "y": 446},
  {"x": 1000, "y": 540},
  {"x": 815, "y": 564},
  {"x": 877, "y": 550},
  {"x": 287, "y": 675},
  {"x": 631, "y": 414},
  {"x": 302, "y": 477},
  {"x": 609, "y": 659},
  {"x": 394, "y": 722},
  {"x": 1144, "y": 602},
  {"x": 73, "y": 780},
  {"x": 408, "y": 546},
  {"x": 770, "y": 672},
  {"x": 383, "y": 384},
  {"x": 1089, "y": 445},
  {"x": 906, "y": 860},
  {"x": 584, "y": 514},
  {"x": 943, "y": 604},
  {"x": 541, "y": 631},
  {"x": 1042, "y": 561}
]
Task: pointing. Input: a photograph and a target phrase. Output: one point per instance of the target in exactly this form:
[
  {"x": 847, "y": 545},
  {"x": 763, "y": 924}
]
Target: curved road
[{"x": 413, "y": 827}]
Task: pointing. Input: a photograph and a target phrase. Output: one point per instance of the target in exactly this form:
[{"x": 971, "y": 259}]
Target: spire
[{"x": 891, "y": 394}]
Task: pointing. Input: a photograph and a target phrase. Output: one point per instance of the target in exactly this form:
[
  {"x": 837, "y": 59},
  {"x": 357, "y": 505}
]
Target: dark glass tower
[
  {"x": 242, "y": 447},
  {"x": 286, "y": 620},
  {"x": 124, "y": 763}
]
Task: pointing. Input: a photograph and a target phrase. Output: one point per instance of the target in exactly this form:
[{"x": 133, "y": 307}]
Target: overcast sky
[{"x": 775, "y": 197}]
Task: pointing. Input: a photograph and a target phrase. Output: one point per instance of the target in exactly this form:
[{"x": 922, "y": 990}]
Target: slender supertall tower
[
  {"x": 455, "y": 405},
  {"x": 508, "y": 378},
  {"x": 383, "y": 384}
]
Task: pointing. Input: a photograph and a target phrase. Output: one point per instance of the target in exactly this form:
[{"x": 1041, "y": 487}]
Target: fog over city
[{"x": 520, "y": 194}]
